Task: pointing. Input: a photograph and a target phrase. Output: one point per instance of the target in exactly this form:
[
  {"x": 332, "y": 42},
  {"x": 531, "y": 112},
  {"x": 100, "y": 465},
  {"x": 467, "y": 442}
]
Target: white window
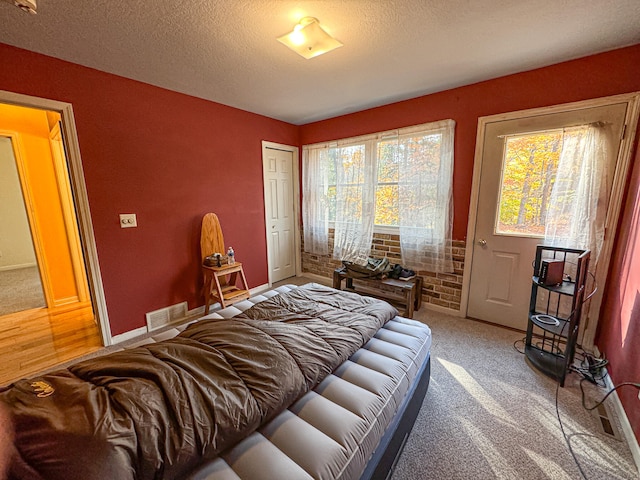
[{"x": 400, "y": 179}]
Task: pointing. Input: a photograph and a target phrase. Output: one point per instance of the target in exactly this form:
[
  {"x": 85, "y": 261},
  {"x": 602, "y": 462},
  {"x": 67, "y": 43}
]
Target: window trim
[
  {"x": 316, "y": 176},
  {"x": 370, "y": 144}
]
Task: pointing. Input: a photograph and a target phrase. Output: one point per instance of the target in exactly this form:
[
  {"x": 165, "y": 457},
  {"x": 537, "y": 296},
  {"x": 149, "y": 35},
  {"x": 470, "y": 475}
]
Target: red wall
[
  {"x": 601, "y": 75},
  {"x": 590, "y": 77},
  {"x": 619, "y": 332},
  {"x": 169, "y": 158},
  {"x": 166, "y": 156}
]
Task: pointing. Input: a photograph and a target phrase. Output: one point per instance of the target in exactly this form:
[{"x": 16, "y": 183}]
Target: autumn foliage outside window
[
  {"x": 528, "y": 174},
  {"x": 422, "y": 152},
  {"x": 400, "y": 179}
]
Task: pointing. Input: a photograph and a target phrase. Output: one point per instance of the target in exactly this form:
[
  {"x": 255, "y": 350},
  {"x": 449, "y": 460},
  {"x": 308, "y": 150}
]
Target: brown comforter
[{"x": 155, "y": 412}]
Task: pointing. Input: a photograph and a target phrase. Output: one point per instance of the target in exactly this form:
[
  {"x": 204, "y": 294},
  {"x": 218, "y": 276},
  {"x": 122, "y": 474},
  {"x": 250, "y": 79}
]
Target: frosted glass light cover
[{"x": 309, "y": 40}]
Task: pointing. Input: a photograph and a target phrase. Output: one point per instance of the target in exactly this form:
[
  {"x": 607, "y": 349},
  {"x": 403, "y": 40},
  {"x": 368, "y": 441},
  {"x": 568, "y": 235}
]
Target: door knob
[{"x": 482, "y": 242}]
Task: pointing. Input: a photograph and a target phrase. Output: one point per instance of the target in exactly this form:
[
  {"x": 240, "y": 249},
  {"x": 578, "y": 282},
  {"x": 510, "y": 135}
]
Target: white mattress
[{"x": 331, "y": 432}]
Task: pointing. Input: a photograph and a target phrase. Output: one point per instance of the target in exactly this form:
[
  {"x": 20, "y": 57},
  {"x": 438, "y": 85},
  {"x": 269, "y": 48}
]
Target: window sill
[
  {"x": 386, "y": 229},
  {"x": 376, "y": 229}
]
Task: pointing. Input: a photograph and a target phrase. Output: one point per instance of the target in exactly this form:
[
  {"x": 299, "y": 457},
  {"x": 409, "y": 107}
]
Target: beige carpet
[
  {"x": 488, "y": 414},
  {"x": 20, "y": 289}
]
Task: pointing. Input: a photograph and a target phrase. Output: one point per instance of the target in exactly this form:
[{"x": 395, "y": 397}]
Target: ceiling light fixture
[{"x": 309, "y": 39}]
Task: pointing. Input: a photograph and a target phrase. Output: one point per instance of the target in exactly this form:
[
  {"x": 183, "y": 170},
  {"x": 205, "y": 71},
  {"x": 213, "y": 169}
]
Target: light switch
[{"x": 128, "y": 220}]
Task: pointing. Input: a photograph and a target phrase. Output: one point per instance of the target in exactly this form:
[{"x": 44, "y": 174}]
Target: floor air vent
[
  {"x": 607, "y": 426},
  {"x": 166, "y": 316}
]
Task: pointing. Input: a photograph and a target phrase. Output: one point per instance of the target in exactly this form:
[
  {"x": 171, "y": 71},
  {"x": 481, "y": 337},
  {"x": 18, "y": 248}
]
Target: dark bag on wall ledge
[{"x": 375, "y": 267}]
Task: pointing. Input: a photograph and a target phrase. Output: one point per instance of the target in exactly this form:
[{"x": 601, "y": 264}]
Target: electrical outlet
[{"x": 128, "y": 220}]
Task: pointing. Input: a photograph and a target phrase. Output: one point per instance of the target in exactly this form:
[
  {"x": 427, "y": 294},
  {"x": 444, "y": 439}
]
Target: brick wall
[
  {"x": 445, "y": 289},
  {"x": 442, "y": 289}
]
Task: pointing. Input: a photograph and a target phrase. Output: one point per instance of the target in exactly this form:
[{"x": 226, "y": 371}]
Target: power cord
[
  {"x": 591, "y": 368},
  {"x": 594, "y": 372},
  {"x": 539, "y": 344},
  {"x": 623, "y": 384},
  {"x": 523, "y": 340},
  {"x": 566, "y": 438}
]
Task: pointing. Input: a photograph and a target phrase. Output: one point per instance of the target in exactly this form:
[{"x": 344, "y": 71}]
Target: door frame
[
  {"x": 295, "y": 202},
  {"x": 80, "y": 197},
  {"x": 621, "y": 174}
]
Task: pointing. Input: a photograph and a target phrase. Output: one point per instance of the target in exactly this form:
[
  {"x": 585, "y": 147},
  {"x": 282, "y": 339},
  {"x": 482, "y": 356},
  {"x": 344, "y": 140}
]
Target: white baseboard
[
  {"x": 438, "y": 308},
  {"x": 123, "y": 337},
  {"x": 198, "y": 311},
  {"x": 18, "y": 266},
  {"x": 624, "y": 423},
  {"x": 259, "y": 289},
  {"x": 317, "y": 278}
]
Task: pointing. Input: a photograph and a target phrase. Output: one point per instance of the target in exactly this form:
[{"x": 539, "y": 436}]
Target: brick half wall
[{"x": 441, "y": 289}]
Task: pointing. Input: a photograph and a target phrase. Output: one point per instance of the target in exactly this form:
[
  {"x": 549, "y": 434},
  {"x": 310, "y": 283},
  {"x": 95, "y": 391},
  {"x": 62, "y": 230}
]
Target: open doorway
[
  {"x": 20, "y": 282},
  {"x": 59, "y": 314}
]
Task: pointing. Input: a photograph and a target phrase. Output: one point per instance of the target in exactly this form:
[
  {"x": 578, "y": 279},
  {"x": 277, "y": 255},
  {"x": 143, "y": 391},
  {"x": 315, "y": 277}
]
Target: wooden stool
[{"x": 225, "y": 292}]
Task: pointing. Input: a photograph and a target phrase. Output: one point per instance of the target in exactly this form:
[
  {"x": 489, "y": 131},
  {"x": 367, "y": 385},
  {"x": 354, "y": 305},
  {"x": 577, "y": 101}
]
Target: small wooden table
[
  {"x": 225, "y": 292},
  {"x": 407, "y": 293}
]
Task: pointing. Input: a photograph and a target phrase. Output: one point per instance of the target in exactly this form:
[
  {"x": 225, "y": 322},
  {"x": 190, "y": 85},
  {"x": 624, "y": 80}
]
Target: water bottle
[{"x": 231, "y": 256}]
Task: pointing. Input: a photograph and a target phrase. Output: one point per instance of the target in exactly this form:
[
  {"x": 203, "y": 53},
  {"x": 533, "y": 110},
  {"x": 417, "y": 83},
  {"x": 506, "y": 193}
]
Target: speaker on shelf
[{"x": 551, "y": 272}]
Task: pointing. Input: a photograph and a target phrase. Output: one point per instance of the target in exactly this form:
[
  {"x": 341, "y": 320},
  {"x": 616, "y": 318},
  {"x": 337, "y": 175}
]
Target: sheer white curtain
[
  {"x": 315, "y": 209},
  {"x": 411, "y": 171},
  {"x": 355, "y": 203},
  {"x": 425, "y": 196},
  {"x": 578, "y": 203}
]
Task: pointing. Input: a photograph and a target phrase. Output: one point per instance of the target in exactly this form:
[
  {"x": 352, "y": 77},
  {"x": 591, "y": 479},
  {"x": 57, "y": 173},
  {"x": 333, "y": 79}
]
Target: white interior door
[
  {"x": 279, "y": 181},
  {"x": 501, "y": 266}
]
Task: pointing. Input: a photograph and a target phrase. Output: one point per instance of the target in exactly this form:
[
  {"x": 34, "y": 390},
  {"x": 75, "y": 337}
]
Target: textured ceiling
[{"x": 226, "y": 50}]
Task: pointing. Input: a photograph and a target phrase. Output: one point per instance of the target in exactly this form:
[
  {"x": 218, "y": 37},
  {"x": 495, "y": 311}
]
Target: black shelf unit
[{"x": 555, "y": 311}]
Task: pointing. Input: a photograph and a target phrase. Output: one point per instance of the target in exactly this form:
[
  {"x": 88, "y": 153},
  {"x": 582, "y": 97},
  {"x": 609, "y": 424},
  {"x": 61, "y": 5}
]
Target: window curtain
[
  {"x": 355, "y": 203},
  {"x": 425, "y": 196},
  {"x": 578, "y": 202},
  {"x": 340, "y": 181},
  {"x": 315, "y": 211}
]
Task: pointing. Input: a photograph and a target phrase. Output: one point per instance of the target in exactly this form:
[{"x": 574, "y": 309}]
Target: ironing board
[{"x": 220, "y": 283}]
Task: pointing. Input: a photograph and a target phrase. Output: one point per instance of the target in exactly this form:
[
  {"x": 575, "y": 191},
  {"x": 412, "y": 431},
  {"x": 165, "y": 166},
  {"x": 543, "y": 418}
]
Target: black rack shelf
[
  {"x": 555, "y": 311},
  {"x": 545, "y": 361},
  {"x": 560, "y": 329},
  {"x": 565, "y": 288}
]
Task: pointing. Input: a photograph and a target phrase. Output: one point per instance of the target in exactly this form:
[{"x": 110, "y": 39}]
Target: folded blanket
[{"x": 155, "y": 412}]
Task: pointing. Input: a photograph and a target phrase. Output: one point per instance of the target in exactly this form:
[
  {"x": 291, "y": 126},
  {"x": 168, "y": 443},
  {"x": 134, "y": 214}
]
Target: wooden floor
[{"x": 34, "y": 340}]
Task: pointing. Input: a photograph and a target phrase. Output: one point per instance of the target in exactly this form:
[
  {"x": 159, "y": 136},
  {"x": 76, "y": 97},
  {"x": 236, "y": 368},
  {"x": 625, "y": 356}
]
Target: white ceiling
[{"x": 226, "y": 50}]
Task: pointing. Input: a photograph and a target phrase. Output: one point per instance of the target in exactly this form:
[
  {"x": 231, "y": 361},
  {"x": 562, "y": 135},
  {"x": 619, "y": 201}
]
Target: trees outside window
[
  {"x": 530, "y": 163},
  {"x": 400, "y": 180}
]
